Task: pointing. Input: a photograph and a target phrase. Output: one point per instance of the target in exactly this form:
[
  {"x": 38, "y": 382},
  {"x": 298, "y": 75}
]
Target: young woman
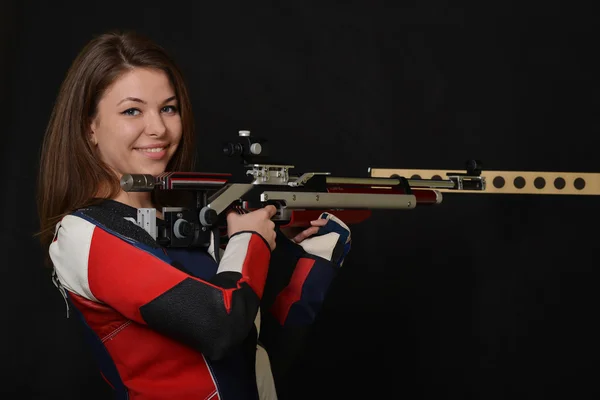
[{"x": 166, "y": 323}]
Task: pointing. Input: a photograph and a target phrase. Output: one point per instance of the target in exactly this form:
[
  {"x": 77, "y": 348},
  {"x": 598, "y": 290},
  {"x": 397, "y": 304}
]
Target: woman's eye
[
  {"x": 169, "y": 109},
  {"x": 131, "y": 111}
]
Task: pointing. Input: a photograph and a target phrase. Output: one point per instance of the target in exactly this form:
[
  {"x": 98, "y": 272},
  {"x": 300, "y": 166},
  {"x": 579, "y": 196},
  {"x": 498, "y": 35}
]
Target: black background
[{"x": 483, "y": 297}]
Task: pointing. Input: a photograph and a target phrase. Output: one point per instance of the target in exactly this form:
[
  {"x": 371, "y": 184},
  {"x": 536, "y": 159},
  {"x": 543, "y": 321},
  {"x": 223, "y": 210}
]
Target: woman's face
[{"x": 137, "y": 127}]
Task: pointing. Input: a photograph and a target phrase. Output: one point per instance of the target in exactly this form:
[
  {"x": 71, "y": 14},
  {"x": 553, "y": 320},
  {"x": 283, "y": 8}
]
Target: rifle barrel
[{"x": 422, "y": 183}]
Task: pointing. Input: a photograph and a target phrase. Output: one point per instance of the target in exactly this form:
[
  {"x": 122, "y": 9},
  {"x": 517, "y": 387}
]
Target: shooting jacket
[{"x": 172, "y": 323}]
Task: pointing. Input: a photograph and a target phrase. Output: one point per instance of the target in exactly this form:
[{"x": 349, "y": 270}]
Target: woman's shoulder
[{"x": 115, "y": 218}]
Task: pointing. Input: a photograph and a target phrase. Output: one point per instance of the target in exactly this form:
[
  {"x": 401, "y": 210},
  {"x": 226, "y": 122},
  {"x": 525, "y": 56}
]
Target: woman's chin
[{"x": 153, "y": 170}]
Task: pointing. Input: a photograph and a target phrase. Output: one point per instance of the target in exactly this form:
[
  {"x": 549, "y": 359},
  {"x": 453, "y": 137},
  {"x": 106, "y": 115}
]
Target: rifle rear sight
[{"x": 250, "y": 149}]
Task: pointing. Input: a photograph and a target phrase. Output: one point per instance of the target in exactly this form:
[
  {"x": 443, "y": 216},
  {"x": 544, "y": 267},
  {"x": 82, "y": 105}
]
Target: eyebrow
[{"x": 142, "y": 101}]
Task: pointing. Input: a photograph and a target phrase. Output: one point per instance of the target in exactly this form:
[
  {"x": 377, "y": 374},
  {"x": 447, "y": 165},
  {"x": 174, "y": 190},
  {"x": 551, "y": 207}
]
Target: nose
[{"x": 155, "y": 126}]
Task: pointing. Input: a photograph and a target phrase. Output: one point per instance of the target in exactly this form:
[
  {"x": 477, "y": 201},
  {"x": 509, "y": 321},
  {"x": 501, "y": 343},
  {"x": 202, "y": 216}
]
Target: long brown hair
[{"x": 70, "y": 175}]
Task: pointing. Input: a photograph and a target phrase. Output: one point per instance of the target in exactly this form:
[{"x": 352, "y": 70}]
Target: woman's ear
[{"x": 92, "y": 134}]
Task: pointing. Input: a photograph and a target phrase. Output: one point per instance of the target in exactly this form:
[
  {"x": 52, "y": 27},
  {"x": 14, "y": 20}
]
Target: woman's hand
[
  {"x": 258, "y": 221},
  {"x": 333, "y": 241},
  {"x": 297, "y": 235}
]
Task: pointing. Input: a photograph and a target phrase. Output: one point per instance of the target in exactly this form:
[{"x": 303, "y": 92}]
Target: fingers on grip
[{"x": 271, "y": 210}]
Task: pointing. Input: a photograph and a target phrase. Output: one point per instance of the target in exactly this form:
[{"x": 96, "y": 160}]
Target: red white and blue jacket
[{"x": 175, "y": 324}]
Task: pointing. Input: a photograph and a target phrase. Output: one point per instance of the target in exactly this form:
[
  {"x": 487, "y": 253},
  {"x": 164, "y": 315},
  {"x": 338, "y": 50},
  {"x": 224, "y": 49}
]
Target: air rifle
[{"x": 299, "y": 198}]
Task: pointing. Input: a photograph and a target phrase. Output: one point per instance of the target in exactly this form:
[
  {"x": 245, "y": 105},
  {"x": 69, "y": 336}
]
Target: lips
[
  {"x": 154, "y": 152},
  {"x": 153, "y": 149},
  {"x": 158, "y": 145}
]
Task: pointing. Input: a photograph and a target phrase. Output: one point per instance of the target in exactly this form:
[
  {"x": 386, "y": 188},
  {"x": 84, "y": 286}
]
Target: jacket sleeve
[
  {"x": 141, "y": 284},
  {"x": 297, "y": 286},
  {"x": 298, "y": 295}
]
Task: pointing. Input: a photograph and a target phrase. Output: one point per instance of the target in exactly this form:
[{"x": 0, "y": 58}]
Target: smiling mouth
[{"x": 153, "y": 150}]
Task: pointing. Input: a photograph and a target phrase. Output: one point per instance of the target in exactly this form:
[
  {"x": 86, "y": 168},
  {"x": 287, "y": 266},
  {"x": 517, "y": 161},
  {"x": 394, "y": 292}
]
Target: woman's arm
[
  {"x": 141, "y": 284},
  {"x": 317, "y": 260},
  {"x": 297, "y": 286}
]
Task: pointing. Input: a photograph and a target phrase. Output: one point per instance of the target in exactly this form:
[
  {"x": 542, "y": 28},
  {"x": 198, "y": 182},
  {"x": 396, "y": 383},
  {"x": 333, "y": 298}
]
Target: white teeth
[{"x": 155, "y": 150}]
